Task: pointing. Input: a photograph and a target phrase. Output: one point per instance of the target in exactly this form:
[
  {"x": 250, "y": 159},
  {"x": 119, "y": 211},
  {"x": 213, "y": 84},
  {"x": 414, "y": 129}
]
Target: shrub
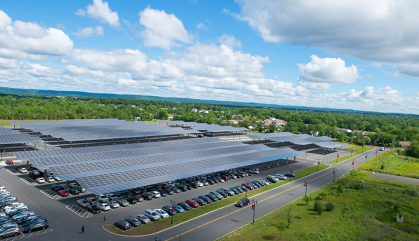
[
  {"x": 382, "y": 166},
  {"x": 359, "y": 185},
  {"x": 321, "y": 196},
  {"x": 318, "y": 207},
  {"x": 330, "y": 206},
  {"x": 340, "y": 189},
  {"x": 298, "y": 217},
  {"x": 412, "y": 192},
  {"x": 307, "y": 199}
]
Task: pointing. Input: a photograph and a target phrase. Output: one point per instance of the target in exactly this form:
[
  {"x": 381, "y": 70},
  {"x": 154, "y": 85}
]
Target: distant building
[
  {"x": 404, "y": 143},
  {"x": 204, "y": 111},
  {"x": 170, "y": 117},
  {"x": 174, "y": 108},
  {"x": 132, "y": 105},
  {"x": 345, "y": 130},
  {"x": 101, "y": 104},
  {"x": 163, "y": 108},
  {"x": 194, "y": 110},
  {"x": 278, "y": 122}
]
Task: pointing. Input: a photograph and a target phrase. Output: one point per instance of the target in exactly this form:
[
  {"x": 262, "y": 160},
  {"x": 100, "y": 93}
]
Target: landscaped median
[
  {"x": 183, "y": 217},
  {"x": 356, "y": 151}
]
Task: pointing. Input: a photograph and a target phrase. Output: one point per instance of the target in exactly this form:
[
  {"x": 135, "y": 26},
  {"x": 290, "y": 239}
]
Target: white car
[
  {"x": 156, "y": 194},
  {"x": 40, "y": 180},
  {"x": 152, "y": 215},
  {"x": 281, "y": 177},
  {"x": 14, "y": 204},
  {"x": 162, "y": 213},
  {"x": 255, "y": 171},
  {"x": 22, "y": 170},
  {"x": 104, "y": 206},
  {"x": 103, "y": 199},
  {"x": 7, "y": 211},
  {"x": 2, "y": 214},
  {"x": 50, "y": 179},
  {"x": 200, "y": 184}
]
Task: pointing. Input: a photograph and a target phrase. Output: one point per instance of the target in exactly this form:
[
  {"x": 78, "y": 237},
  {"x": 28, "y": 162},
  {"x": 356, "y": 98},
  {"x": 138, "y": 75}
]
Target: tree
[
  {"x": 339, "y": 189},
  {"x": 306, "y": 199},
  {"x": 162, "y": 114},
  {"x": 318, "y": 207},
  {"x": 281, "y": 226},
  {"x": 289, "y": 216}
]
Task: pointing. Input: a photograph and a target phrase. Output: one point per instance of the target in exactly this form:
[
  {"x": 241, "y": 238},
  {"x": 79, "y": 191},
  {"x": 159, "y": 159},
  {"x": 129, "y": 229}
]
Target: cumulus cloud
[
  {"x": 25, "y": 40},
  {"x": 101, "y": 11},
  {"x": 320, "y": 73},
  {"x": 376, "y": 30},
  {"x": 89, "y": 31},
  {"x": 230, "y": 41},
  {"x": 202, "y": 26},
  {"x": 162, "y": 30}
]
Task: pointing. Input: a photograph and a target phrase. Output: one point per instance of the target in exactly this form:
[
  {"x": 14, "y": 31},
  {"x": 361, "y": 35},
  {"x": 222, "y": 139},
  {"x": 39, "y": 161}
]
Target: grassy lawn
[
  {"x": 358, "y": 214},
  {"x": 180, "y": 218},
  {"x": 357, "y": 150},
  {"x": 394, "y": 164}
]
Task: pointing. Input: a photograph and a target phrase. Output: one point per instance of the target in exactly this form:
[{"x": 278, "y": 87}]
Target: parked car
[
  {"x": 40, "y": 180},
  {"x": 185, "y": 206},
  {"x": 147, "y": 196},
  {"x": 212, "y": 197},
  {"x": 281, "y": 177},
  {"x": 163, "y": 214},
  {"x": 142, "y": 218},
  {"x": 22, "y": 170},
  {"x": 132, "y": 200},
  {"x": 74, "y": 191},
  {"x": 6, "y": 221},
  {"x": 57, "y": 187},
  {"x": 104, "y": 206},
  {"x": 63, "y": 193},
  {"x": 133, "y": 221},
  {"x": 155, "y": 194},
  {"x": 151, "y": 214},
  {"x": 124, "y": 225},
  {"x": 206, "y": 199},
  {"x": 217, "y": 194},
  {"x": 14, "y": 208},
  {"x": 22, "y": 214},
  {"x": 192, "y": 203},
  {"x": 111, "y": 196},
  {"x": 9, "y": 162},
  {"x": 113, "y": 204},
  {"x": 169, "y": 210},
  {"x": 243, "y": 202},
  {"x": 179, "y": 209},
  {"x": 229, "y": 192},
  {"x": 81, "y": 189},
  {"x": 17, "y": 211},
  {"x": 35, "y": 220},
  {"x": 289, "y": 175},
  {"x": 82, "y": 203},
  {"x": 9, "y": 231},
  {"x": 123, "y": 202},
  {"x": 175, "y": 189},
  {"x": 57, "y": 178},
  {"x": 93, "y": 209},
  {"x": 200, "y": 201},
  {"x": 27, "y": 218},
  {"x": 36, "y": 226},
  {"x": 50, "y": 179}
]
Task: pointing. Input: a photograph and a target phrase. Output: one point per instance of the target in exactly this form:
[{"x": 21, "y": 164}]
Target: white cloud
[
  {"x": 101, "y": 11},
  {"x": 230, "y": 41},
  {"x": 162, "y": 30},
  {"x": 7, "y": 63},
  {"x": 408, "y": 69},
  {"x": 375, "y": 30},
  {"x": 25, "y": 40},
  {"x": 202, "y": 26},
  {"x": 60, "y": 26},
  {"x": 226, "y": 11},
  {"x": 320, "y": 73},
  {"x": 89, "y": 31}
]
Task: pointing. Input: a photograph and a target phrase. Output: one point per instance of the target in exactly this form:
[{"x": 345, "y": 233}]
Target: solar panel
[{"x": 9, "y": 136}]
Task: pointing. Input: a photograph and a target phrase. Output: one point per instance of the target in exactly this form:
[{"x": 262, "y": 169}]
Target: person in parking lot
[
  {"x": 82, "y": 229},
  {"x": 104, "y": 219}
]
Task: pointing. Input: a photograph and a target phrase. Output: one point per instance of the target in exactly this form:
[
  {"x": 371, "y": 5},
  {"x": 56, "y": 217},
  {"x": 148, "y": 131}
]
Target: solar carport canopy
[
  {"x": 205, "y": 126},
  {"x": 127, "y": 166},
  {"x": 298, "y": 139},
  {"x": 9, "y": 136}
]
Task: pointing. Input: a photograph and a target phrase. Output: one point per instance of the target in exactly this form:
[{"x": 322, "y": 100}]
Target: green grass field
[
  {"x": 357, "y": 150},
  {"x": 358, "y": 214},
  {"x": 394, "y": 164},
  {"x": 180, "y": 218}
]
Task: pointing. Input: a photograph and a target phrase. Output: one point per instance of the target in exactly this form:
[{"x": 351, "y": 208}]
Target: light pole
[
  {"x": 376, "y": 154},
  {"x": 173, "y": 208},
  {"x": 353, "y": 166},
  {"x": 254, "y": 209},
  {"x": 247, "y": 187},
  {"x": 334, "y": 174},
  {"x": 366, "y": 158},
  {"x": 318, "y": 164},
  {"x": 290, "y": 173},
  {"x": 305, "y": 184}
]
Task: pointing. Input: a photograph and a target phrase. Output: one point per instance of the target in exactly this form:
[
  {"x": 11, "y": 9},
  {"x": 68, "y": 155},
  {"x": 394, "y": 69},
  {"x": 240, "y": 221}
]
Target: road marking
[
  {"x": 13, "y": 172},
  {"x": 28, "y": 180},
  {"x": 79, "y": 211},
  {"x": 28, "y": 235},
  {"x": 51, "y": 194},
  {"x": 246, "y": 207}
]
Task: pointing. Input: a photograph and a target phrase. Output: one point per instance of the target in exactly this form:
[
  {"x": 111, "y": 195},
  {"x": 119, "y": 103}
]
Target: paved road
[
  {"x": 394, "y": 178},
  {"x": 66, "y": 224}
]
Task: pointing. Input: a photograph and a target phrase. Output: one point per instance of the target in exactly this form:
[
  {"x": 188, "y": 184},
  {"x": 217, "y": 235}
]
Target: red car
[
  {"x": 9, "y": 162},
  {"x": 192, "y": 203},
  {"x": 63, "y": 193}
]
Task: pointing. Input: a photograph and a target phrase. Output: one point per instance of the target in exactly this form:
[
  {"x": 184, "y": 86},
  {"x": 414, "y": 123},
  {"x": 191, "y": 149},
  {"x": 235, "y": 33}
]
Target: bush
[
  {"x": 412, "y": 192},
  {"x": 307, "y": 199},
  {"x": 330, "y": 206},
  {"x": 321, "y": 196},
  {"x": 318, "y": 207},
  {"x": 340, "y": 189},
  {"x": 298, "y": 216},
  {"x": 359, "y": 185},
  {"x": 382, "y": 166}
]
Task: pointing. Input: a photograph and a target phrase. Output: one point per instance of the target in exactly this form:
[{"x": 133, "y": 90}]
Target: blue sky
[{"x": 355, "y": 55}]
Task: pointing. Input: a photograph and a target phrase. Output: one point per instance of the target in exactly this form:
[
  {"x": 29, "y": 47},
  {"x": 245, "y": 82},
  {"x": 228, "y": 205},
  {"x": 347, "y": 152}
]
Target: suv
[
  {"x": 242, "y": 202},
  {"x": 151, "y": 214},
  {"x": 9, "y": 231},
  {"x": 82, "y": 203}
]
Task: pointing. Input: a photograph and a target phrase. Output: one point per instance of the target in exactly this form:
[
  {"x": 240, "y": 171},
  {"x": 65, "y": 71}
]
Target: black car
[
  {"x": 175, "y": 189},
  {"x": 243, "y": 202},
  {"x": 208, "y": 134},
  {"x": 183, "y": 188},
  {"x": 169, "y": 210},
  {"x": 36, "y": 226},
  {"x": 185, "y": 206},
  {"x": 169, "y": 191},
  {"x": 194, "y": 184},
  {"x": 132, "y": 200},
  {"x": 200, "y": 201},
  {"x": 147, "y": 196},
  {"x": 57, "y": 187},
  {"x": 93, "y": 209},
  {"x": 124, "y": 225},
  {"x": 222, "y": 193},
  {"x": 133, "y": 221},
  {"x": 212, "y": 197},
  {"x": 163, "y": 193},
  {"x": 139, "y": 198},
  {"x": 74, "y": 191},
  {"x": 35, "y": 220},
  {"x": 211, "y": 182},
  {"x": 206, "y": 199},
  {"x": 235, "y": 190}
]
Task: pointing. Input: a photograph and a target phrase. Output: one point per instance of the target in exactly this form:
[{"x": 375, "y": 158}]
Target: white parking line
[
  {"x": 28, "y": 180},
  {"x": 28, "y": 235},
  {"x": 79, "y": 211},
  {"x": 12, "y": 172},
  {"x": 51, "y": 194}
]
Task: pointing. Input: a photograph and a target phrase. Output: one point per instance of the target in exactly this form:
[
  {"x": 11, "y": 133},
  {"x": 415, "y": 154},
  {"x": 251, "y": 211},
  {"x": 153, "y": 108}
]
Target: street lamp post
[
  {"x": 173, "y": 203},
  {"x": 366, "y": 156},
  {"x": 254, "y": 209},
  {"x": 290, "y": 173},
  {"x": 318, "y": 164},
  {"x": 305, "y": 184},
  {"x": 334, "y": 174},
  {"x": 247, "y": 187},
  {"x": 353, "y": 166}
]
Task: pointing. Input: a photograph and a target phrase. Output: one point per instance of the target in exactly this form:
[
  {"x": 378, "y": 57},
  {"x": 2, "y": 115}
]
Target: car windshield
[
  {"x": 154, "y": 214},
  {"x": 142, "y": 217},
  {"x": 193, "y": 201}
]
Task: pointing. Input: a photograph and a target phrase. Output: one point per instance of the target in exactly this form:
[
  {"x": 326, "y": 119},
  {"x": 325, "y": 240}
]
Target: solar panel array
[
  {"x": 206, "y": 127},
  {"x": 105, "y": 169},
  {"x": 9, "y": 136},
  {"x": 303, "y": 139},
  {"x": 99, "y": 129}
]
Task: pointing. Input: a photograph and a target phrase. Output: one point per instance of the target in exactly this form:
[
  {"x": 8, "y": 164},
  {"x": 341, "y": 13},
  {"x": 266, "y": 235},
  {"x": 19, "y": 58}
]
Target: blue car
[
  {"x": 179, "y": 209},
  {"x": 22, "y": 214},
  {"x": 27, "y": 218},
  {"x": 36, "y": 220},
  {"x": 289, "y": 175},
  {"x": 17, "y": 211},
  {"x": 4, "y": 221}
]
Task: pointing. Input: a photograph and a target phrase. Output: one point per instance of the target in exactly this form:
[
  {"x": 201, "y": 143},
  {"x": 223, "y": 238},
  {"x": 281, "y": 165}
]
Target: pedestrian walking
[
  {"x": 104, "y": 219},
  {"x": 82, "y": 229}
]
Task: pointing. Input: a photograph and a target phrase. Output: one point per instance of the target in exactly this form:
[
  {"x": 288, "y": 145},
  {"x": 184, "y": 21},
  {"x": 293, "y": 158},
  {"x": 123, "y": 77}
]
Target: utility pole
[
  {"x": 254, "y": 209},
  {"x": 334, "y": 174},
  {"x": 305, "y": 184},
  {"x": 353, "y": 166}
]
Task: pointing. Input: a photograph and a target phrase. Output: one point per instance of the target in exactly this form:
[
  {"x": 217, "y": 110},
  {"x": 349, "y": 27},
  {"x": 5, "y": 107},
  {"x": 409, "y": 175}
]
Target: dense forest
[{"x": 387, "y": 130}]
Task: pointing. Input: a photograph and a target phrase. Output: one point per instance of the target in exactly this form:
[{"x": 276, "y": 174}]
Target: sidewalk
[{"x": 394, "y": 178}]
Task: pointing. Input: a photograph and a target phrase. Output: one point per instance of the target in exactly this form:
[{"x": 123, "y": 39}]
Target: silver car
[
  {"x": 9, "y": 231},
  {"x": 142, "y": 218},
  {"x": 151, "y": 214}
]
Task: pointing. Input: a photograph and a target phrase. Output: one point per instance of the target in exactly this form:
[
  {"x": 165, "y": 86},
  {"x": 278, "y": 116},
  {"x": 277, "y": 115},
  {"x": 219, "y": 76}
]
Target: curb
[{"x": 146, "y": 235}]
